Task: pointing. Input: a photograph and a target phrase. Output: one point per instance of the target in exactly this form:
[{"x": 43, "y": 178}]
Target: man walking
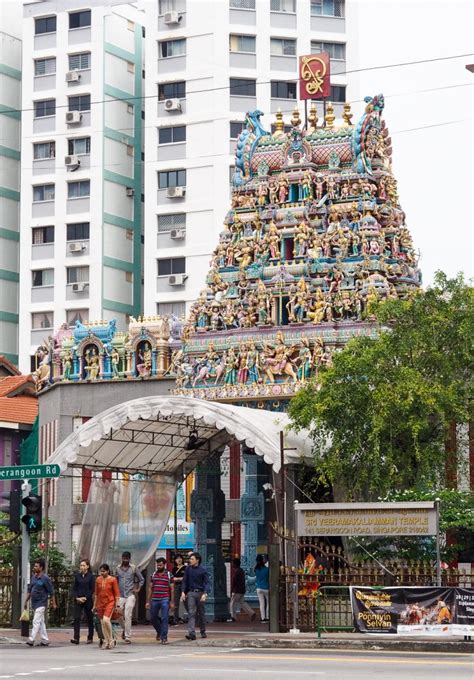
[
  {"x": 82, "y": 591},
  {"x": 238, "y": 592},
  {"x": 160, "y": 599},
  {"x": 130, "y": 581},
  {"x": 195, "y": 589},
  {"x": 40, "y": 589}
]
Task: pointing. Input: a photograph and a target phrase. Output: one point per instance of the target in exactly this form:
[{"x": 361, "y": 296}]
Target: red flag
[{"x": 315, "y": 78}]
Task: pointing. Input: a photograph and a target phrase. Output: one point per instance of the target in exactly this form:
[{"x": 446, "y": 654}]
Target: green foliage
[
  {"x": 57, "y": 560},
  {"x": 379, "y": 417}
]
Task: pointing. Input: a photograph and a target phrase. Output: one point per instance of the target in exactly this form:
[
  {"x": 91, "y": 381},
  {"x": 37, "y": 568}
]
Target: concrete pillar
[
  {"x": 207, "y": 513},
  {"x": 252, "y": 513}
]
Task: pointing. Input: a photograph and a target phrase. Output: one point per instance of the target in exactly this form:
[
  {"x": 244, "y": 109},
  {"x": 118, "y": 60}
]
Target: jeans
[
  {"x": 196, "y": 611},
  {"x": 159, "y": 617},
  {"x": 237, "y": 600},
  {"x": 263, "y": 600},
  {"x": 127, "y": 605},
  {"x": 85, "y": 607},
  {"x": 39, "y": 625}
]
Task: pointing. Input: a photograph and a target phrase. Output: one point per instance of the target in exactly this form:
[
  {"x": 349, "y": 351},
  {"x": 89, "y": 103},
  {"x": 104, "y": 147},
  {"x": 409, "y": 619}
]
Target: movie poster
[{"x": 413, "y": 611}]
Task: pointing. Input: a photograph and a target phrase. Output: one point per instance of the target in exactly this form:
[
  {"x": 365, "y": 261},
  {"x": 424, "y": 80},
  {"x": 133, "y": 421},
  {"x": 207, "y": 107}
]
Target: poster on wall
[
  {"x": 413, "y": 611},
  {"x": 185, "y": 532}
]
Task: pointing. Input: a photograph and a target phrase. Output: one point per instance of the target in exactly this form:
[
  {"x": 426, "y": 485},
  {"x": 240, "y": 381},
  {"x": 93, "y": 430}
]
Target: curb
[{"x": 458, "y": 647}]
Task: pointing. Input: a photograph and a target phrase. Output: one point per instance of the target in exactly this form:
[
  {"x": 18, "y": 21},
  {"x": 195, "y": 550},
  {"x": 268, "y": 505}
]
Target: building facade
[
  {"x": 10, "y": 105},
  {"x": 208, "y": 62},
  {"x": 81, "y": 185}
]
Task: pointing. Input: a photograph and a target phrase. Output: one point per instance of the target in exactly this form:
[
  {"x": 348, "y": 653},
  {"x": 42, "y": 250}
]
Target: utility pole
[{"x": 25, "y": 559}]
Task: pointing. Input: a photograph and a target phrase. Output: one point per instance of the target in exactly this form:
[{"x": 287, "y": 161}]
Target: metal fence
[{"x": 57, "y": 617}]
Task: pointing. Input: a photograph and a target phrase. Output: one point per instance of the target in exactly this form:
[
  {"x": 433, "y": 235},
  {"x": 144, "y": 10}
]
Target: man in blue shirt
[
  {"x": 40, "y": 589},
  {"x": 195, "y": 589}
]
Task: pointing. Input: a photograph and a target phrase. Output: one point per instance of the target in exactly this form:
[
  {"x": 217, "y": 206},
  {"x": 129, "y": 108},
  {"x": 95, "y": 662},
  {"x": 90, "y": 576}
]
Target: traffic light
[
  {"x": 34, "y": 513},
  {"x": 12, "y": 510}
]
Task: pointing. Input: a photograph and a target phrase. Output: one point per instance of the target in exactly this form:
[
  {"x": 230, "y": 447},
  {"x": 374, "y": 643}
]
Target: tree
[{"x": 380, "y": 415}]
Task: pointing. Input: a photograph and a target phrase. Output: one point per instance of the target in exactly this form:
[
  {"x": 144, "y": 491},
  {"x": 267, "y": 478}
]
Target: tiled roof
[
  {"x": 20, "y": 409},
  {"x": 8, "y": 366},
  {"x": 12, "y": 383}
]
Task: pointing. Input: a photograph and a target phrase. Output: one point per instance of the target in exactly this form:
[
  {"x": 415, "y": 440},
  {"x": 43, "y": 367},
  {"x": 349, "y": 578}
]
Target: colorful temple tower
[{"x": 315, "y": 236}]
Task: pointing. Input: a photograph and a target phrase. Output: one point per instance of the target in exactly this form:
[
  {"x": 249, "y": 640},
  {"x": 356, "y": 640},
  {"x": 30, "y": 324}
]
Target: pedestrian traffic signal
[
  {"x": 34, "y": 513},
  {"x": 12, "y": 510}
]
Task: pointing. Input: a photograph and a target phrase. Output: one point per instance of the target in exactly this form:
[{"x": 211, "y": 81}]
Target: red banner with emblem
[{"x": 315, "y": 76}]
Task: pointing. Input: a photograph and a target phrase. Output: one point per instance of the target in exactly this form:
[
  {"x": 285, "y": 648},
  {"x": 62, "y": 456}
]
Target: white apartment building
[
  {"x": 81, "y": 183},
  {"x": 10, "y": 105},
  {"x": 208, "y": 62}
]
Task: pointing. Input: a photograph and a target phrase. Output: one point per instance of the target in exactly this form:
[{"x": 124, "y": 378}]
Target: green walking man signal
[{"x": 34, "y": 513}]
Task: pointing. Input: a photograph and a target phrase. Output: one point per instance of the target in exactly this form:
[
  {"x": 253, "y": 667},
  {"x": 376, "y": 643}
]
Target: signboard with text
[
  {"x": 315, "y": 76},
  {"x": 366, "y": 519},
  {"x": 28, "y": 472}
]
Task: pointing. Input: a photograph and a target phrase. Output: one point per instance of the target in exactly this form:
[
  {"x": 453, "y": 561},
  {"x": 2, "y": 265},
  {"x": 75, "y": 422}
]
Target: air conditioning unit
[
  {"x": 178, "y": 234},
  {"x": 172, "y": 105},
  {"x": 130, "y": 192},
  {"x": 171, "y": 18},
  {"x": 76, "y": 248},
  {"x": 73, "y": 117},
  {"x": 177, "y": 279},
  {"x": 175, "y": 192},
  {"x": 79, "y": 287},
  {"x": 72, "y": 161},
  {"x": 72, "y": 76}
]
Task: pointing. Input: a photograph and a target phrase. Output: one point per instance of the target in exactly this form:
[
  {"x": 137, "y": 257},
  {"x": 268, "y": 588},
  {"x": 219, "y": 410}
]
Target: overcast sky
[{"x": 433, "y": 165}]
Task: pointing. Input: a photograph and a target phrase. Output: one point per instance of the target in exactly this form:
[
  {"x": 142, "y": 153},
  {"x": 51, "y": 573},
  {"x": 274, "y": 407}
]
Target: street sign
[{"x": 29, "y": 472}]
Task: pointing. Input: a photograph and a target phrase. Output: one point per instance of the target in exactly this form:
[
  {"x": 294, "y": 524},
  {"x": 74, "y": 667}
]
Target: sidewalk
[{"x": 256, "y": 636}]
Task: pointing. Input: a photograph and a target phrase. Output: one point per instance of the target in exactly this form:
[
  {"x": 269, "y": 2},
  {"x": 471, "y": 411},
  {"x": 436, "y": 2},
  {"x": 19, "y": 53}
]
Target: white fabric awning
[{"x": 150, "y": 435}]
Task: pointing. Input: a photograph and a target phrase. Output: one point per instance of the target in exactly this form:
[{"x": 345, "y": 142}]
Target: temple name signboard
[{"x": 366, "y": 519}]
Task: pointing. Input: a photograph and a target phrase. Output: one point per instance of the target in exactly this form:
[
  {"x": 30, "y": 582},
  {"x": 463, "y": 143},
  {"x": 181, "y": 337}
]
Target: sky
[{"x": 433, "y": 165}]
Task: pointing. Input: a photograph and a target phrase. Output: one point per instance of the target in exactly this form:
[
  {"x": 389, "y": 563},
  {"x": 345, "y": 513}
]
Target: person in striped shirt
[{"x": 160, "y": 599}]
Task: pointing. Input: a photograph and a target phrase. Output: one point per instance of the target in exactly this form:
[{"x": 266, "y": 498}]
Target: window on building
[
  {"x": 81, "y": 102},
  {"x": 77, "y": 274},
  {"x": 236, "y": 128},
  {"x": 73, "y": 315},
  {"x": 172, "y": 48},
  {"x": 171, "y": 265},
  {"x": 42, "y": 277},
  {"x": 175, "y": 90},
  {"x": 231, "y": 173},
  {"x": 329, "y": 8},
  {"x": 130, "y": 67},
  {"x": 45, "y": 25},
  {"x": 80, "y": 19},
  {"x": 167, "y": 6},
  {"x": 338, "y": 94},
  {"x": 282, "y": 47},
  {"x": 283, "y": 6},
  {"x": 171, "y": 178},
  {"x": 45, "y": 67},
  {"x": 172, "y": 135},
  {"x": 286, "y": 128},
  {"x": 44, "y": 150},
  {"x": 176, "y": 309},
  {"x": 42, "y": 320},
  {"x": 168, "y": 222},
  {"x": 80, "y": 62},
  {"x": 281, "y": 89},
  {"x": 242, "y": 43},
  {"x": 43, "y": 192},
  {"x": 42, "y": 235},
  {"x": 242, "y": 4},
  {"x": 242, "y": 87},
  {"x": 78, "y": 231},
  {"x": 45, "y": 107},
  {"x": 336, "y": 50},
  {"x": 79, "y": 189},
  {"x": 79, "y": 146}
]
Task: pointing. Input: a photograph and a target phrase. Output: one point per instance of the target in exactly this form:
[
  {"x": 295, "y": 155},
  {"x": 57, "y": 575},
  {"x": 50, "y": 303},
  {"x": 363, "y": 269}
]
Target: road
[{"x": 181, "y": 662}]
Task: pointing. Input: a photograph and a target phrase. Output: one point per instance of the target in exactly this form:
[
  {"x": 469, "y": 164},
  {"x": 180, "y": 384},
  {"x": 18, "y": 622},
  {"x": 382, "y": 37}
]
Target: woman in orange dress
[{"x": 106, "y": 599}]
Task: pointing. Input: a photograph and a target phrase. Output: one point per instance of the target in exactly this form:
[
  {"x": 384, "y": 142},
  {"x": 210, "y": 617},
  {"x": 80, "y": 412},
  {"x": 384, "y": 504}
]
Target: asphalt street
[{"x": 181, "y": 662}]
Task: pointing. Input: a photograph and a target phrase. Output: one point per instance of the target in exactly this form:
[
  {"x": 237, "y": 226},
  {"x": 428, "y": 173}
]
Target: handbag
[{"x": 25, "y": 615}]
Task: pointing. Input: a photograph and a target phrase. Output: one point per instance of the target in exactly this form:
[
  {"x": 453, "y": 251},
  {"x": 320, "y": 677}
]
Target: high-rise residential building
[
  {"x": 10, "y": 105},
  {"x": 81, "y": 185},
  {"x": 208, "y": 62}
]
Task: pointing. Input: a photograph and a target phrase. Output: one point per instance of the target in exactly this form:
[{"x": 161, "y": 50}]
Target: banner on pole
[
  {"x": 315, "y": 76},
  {"x": 413, "y": 610}
]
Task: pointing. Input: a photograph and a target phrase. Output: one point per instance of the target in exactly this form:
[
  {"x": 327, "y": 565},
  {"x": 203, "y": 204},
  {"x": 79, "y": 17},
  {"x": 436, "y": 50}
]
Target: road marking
[
  {"x": 254, "y": 670},
  {"x": 341, "y": 659}
]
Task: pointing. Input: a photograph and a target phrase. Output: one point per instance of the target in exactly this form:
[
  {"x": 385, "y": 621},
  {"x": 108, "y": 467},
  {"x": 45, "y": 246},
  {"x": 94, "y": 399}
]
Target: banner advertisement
[
  {"x": 315, "y": 80},
  {"x": 413, "y": 610}
]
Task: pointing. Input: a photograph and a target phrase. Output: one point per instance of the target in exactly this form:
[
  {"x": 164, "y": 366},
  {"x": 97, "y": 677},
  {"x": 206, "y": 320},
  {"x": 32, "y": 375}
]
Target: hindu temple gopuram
[{"x": 314, "y": 236}]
